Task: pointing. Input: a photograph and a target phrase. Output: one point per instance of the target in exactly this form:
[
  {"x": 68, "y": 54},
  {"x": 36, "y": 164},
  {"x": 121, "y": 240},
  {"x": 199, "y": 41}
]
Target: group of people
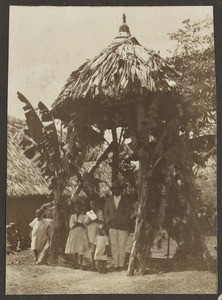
[{"x": 96, "y": 231}]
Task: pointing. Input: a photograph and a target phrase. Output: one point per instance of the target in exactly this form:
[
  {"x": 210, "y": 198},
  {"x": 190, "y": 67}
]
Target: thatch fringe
[{"x": 23, "y": 176}]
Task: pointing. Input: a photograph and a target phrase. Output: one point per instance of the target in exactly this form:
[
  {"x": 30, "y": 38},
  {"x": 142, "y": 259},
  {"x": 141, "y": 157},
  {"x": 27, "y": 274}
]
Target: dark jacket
[{"x": 118, "y": 218}]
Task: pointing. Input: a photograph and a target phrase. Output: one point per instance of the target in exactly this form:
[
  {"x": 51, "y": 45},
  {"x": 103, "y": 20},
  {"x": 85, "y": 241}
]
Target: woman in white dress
[
  {"x": 77, "y": 243},
  {"x": 94, "y": 217},
  {"x": 40, "y": 227}
]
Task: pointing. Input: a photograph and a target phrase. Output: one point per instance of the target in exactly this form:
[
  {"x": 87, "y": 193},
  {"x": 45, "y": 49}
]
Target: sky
[{"x": 47, "y": 43}]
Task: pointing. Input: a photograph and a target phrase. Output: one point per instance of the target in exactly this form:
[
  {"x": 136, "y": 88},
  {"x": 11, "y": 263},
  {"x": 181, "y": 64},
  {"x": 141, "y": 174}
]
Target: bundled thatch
[
  {"x": 120, "y": 71},
  {"x": 23, "y": 176}
]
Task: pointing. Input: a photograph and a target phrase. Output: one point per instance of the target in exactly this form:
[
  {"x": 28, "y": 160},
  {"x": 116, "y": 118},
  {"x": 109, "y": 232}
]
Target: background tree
[
  {"x": 181, "y": 152},
  {"x": 194, "y": 57}
]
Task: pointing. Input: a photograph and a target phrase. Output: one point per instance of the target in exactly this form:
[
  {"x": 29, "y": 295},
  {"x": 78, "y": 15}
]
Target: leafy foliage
[
  {"x": 194, "y": 59},
  {"x": 57, "y": 160},
  {"x": 41, "y": 142},
  {"x": 172, "y": 147}
]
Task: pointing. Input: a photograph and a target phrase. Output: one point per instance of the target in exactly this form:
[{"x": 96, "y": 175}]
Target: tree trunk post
[
  {"x": 168, "y": 246},
  {"x": 56, "y": 236},
  {"x": 115, "y": 160},
  {"x": 144, "y": 236},
  {"x": 142, "y": 198}
]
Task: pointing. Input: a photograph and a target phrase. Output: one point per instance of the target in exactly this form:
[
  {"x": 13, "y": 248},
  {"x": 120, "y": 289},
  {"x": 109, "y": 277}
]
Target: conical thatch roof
[
  {"x": 124, "y": 68},
  {"x": 23, "y": 177}
]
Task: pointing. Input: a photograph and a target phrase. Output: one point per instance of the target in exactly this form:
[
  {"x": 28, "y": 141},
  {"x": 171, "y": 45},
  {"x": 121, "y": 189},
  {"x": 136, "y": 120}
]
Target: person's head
[
  {"x": 116, "y": 188},
  {"x": 102, "y": 229},
  {"x": 78, "y": 207},
  {"x": 93, "y": 204},
  {"x": 8, "y": 229},
  {"x": 13, "y": 225},
  {"x": 39, "y": 213}
]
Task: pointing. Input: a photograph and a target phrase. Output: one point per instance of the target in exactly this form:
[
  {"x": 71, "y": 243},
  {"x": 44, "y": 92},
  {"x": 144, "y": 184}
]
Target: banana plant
[{"x": 57, "y": 161}]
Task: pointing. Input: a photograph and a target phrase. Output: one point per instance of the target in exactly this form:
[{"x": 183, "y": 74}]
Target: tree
[
  {"x": 57, "y": 160},
  {"x": 194, "y": 58},
  {"x": 186, "y": 139}
]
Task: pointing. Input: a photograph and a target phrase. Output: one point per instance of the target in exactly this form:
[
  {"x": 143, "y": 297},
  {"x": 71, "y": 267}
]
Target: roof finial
[
  {"x": 124, "y": 27},
  {"x": 124, "y": 19}
]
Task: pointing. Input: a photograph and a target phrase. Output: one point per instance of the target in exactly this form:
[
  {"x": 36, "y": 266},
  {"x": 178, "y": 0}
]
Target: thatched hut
[
  {"x": 130, "y": 86},
  {"x": 26, "y": 188}
]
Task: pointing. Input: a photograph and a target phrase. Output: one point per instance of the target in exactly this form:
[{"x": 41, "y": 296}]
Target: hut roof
[
  {"x": 124, "y": 68},
  {"x": 23, "y": 176}
]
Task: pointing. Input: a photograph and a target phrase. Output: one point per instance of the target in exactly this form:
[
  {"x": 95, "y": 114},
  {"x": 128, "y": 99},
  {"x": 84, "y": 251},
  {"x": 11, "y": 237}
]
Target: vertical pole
[
  {"x": 55, "y": 240},
  {"x": 61, "y": 133},
  {"x": 142, "y": 195},
  {"x": 115, "y": 160},
  {"x": 168, "y": 246}
]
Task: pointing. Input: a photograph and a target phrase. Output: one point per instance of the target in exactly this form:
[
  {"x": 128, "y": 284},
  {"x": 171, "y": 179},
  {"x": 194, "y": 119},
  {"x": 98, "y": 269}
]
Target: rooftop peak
[
  {"x": 124, "y": 32},
  {"x": 124, "y": 27}
]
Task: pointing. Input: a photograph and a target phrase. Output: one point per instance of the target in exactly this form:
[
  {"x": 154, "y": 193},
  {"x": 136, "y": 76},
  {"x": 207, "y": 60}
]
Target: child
[
  {"x": 40, "y": 227},
  {"x": 94, "y": 217},
  {"x": 101, "y": 242},
  {"x": 77, "y": 242}
]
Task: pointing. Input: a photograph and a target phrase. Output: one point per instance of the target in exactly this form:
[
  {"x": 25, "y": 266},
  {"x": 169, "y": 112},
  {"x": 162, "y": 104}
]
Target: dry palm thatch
[
  {"x": 123, "y": 70},
  {"x": 23, "y": 176}
]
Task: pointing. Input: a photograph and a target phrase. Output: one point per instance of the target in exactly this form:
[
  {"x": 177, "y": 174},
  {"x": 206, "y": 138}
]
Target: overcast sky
[{"x": 47, "y": 43}]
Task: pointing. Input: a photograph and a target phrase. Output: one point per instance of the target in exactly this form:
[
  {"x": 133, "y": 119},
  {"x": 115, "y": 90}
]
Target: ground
[{"x": 24, "y": 277}]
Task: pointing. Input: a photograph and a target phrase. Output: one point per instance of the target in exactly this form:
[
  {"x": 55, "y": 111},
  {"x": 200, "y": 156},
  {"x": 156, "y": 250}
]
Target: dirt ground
[{"x": 23, "y": 277}]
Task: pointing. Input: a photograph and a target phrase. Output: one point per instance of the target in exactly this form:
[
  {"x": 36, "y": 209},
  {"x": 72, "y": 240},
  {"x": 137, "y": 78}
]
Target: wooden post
[
  {"x": 55, "y": 240},
  {"x": 143, "y": 237},
  {"x": 115, "y": 160},
  {"x": 168, "y": 247},
  {"x": 142, "y": 198}
]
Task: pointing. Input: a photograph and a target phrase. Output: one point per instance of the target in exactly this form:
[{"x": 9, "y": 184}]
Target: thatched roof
[
  {"x": 124, "y": 68},
  {"x": 23, "y": 176}
]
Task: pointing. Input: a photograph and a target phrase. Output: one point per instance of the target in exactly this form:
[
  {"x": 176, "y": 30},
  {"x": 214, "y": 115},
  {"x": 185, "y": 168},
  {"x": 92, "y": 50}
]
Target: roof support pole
[
  {"x": 57, "y": 236},
  {"x": 145, "y": 232},
  {"x": 142, "y": 198},
  {"x": 102, "y": 158},
  {"x": 115, "y": 159}
]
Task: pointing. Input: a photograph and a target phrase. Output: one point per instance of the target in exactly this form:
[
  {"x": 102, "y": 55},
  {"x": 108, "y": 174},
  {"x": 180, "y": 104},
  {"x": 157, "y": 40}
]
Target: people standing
[
  {"x": 77, "y": 243},
  {"x": 40, "y": 227},
  {"x": 117, "y": 217},
  {"x": 94, "y": 217}
]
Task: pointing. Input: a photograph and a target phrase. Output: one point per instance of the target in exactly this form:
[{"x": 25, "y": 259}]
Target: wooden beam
[
  {"x": 115, "y": 160},
  {"x": 93, "y": 169}
]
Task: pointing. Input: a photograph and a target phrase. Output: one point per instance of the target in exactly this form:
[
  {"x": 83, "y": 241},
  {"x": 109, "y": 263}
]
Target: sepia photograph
[{"x": 111, "y": 151}]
